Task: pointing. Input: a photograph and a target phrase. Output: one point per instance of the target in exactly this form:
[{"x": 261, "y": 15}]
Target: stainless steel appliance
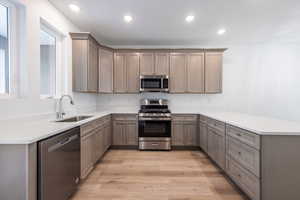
[
  {"x": 59, "y": 165},
  {"x": 154, "y": 125},
  {"x": 154, "y": 83}
]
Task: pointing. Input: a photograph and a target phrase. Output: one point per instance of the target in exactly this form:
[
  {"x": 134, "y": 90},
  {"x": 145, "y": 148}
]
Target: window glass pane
[
  {"x": 4, "y": 50},
  {"x": 48, "y": 63}
]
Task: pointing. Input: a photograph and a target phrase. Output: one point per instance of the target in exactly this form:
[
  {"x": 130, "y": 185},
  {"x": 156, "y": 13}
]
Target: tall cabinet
[
  {"x": 85, "y": 63},
  {"x": 213, "y": 71},
  {"x": 126, "y": 73}
]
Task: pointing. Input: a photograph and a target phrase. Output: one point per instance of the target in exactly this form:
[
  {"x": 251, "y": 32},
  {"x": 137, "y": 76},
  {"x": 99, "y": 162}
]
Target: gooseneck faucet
[{"x": 60, "y": 114}]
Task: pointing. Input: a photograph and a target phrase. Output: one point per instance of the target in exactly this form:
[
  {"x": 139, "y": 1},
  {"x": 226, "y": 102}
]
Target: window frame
[
  {"x": 59, "y": 65},
  {"x": 12, "y": 50}
]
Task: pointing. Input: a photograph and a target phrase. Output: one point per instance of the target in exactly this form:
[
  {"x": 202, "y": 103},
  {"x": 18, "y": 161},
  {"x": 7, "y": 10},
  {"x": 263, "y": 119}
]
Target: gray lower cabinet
[
  {"x": 184, "y": 130},
  {"x": 95, "y": 140},
  {"x": 125, "y": 130}
]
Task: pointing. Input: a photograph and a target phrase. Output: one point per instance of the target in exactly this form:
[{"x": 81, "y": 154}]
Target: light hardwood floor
[{"x": 146, "y": 175}]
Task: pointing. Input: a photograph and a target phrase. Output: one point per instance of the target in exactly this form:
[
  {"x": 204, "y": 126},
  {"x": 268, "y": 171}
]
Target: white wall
[
  {"x": 30, "y": 102},
  {"x": 261, "y": 79}
]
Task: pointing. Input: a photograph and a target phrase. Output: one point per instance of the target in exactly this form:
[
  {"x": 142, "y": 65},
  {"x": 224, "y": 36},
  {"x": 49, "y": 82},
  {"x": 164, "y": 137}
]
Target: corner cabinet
[
  {"x": 85, "y": 63},
  {"x": 126, "y": 73}
]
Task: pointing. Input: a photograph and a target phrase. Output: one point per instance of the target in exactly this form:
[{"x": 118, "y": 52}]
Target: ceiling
[{"x": 162, "y": 22}]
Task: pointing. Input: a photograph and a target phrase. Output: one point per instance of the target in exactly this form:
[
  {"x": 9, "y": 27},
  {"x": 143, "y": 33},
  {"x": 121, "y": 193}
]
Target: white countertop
[{"x": 30, "y": 131}]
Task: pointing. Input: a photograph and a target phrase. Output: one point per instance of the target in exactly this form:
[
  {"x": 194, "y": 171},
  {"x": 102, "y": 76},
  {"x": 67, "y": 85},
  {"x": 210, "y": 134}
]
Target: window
[
  {"x": 50, "y": 44},
  {"x": 4, "y": 50}
]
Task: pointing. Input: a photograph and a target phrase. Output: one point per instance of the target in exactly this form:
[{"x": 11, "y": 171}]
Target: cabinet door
[
  {"x": 178, "y": 72},
  {"x": 162, "y": 64},
  {"x": 146, "y": 63},
  {"x": 131, "y": 136},
  {"x": 133, "y": 73},
  {"x": 118, "y": 133},
  {"x": 106, "y": 71},
  {"x": 203, "y": 136},
  {"x": 216, "y": 147},
  {"x": 195, "y": 73},
  {"x": 190, "y": 134},
  {"x": 80, "y": 65},
  {"x": 177, "y": 134},
  {"x": 87, "y": 159},
  {"x": 120, "y": 78},
  {"x": 93, "y": 66},
  {"x": 213, "y": 72}
]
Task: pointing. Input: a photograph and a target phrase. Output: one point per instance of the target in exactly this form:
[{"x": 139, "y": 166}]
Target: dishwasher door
[{"x": 59, "y": 165}]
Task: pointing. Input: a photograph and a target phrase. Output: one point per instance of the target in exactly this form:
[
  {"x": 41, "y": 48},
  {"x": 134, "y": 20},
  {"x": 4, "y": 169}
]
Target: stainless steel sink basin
[{"x": 74, "y": 119}]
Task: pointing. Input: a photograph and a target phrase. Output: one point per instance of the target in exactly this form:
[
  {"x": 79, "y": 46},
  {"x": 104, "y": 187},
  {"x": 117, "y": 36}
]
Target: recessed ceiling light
[
  {"x": 127, "y": 18},
  {"x": 221, "y": 31},
  {"x": 190, "y": 18},
  {"x": 74, "y": 7}
]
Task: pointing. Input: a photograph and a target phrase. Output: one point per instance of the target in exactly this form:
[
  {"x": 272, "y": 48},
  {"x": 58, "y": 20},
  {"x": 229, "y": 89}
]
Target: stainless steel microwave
[{"x": 154, "y": 83}]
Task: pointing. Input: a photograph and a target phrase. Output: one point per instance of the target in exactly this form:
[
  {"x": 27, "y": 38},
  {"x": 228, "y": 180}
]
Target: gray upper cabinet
[
  {"x": 147, "y": 64},
  {"x": 126, "y": 73},
  {"x": 213, "y": 72},
  {"x": 177, "y": 72},
  {"x": 85, "y": 62},
  {"x": 195, "y": 73},
  {"x": 106, "y": 62}
]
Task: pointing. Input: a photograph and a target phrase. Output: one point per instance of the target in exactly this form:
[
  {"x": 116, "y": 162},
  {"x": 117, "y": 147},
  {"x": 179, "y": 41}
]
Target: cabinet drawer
[
  {"x": 185, "y": 117},
  {"x": 245, "y": 155},
  {"x": 203, "y": 119},
  {"x": 249, "y": 183},
  {"x": 216, "y": 124},
  {"x": 244, "y": 136},
  {"x": 124, "y": 117}
]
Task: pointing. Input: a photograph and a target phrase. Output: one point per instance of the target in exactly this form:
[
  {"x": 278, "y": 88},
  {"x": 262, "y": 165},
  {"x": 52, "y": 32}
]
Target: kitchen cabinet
[
  {"x": 106, "y": 63},
  {"x": 162, "y": 63},
  {"x": 184, "y": 130},
  {"x": 126, "y": 73},
  {"x": 154, "y": 63},
  {"x": 195, "y": 73},
  {"x": 125, "y": 130},
  {"x": 147, "y": 64},
  {"x": 94, "y": 143},
  {"x": 213, "y": 71},
  {"x": 187, "y": 72},
  {"x": 178, "y": 73},
  {"x": 216, "y": 146},
  {"x": 85, "y": 62},
  {"x": 203, "y": 136}
]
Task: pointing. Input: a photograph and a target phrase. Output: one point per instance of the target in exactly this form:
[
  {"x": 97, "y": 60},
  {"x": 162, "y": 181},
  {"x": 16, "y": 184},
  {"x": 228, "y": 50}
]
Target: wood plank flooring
[{"x": 147, "y": 175}]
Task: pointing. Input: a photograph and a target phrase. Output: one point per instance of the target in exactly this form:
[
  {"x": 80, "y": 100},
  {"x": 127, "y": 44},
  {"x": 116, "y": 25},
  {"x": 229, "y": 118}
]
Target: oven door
[{"x": 153, "y": 128}]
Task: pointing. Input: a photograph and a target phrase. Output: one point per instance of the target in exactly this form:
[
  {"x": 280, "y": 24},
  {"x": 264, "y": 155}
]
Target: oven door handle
[{"x": 153, "y": 119}]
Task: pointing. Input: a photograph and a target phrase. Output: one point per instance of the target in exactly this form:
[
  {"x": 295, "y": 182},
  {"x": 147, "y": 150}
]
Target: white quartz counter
[{"x": 30, "y": 131}]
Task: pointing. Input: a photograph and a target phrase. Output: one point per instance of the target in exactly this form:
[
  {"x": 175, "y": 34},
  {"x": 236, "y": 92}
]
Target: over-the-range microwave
[{"x": 154, "y": 83}]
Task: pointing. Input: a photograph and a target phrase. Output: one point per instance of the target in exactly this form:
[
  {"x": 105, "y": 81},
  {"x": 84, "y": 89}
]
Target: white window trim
[
  {"x": 60, "y": 58},
  {"x": 13, "y": 50}
]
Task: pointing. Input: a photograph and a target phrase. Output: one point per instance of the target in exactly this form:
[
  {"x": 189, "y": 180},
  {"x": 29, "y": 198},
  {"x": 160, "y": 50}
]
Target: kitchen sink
[{"x": 74, "y": 119}]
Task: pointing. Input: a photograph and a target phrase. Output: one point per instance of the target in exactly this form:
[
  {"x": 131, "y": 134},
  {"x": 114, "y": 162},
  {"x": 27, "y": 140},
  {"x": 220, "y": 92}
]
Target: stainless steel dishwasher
[{"x": 59, "y": 165}]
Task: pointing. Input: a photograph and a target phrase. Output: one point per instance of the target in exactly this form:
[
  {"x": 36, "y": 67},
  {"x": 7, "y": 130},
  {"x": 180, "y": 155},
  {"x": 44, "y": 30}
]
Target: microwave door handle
[{"x": 161, "y": 83}]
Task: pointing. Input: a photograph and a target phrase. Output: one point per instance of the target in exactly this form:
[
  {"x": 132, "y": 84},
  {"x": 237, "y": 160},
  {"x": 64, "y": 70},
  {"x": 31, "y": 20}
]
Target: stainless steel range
[{"x": 154, "y": 125}]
